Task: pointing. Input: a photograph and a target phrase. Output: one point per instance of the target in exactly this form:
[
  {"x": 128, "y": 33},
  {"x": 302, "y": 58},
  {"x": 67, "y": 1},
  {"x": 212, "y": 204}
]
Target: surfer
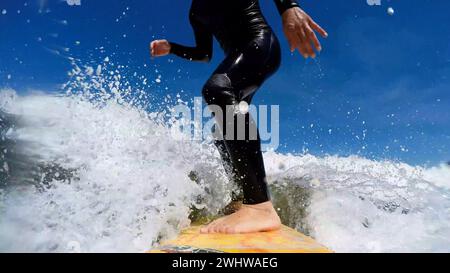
[{"x": 252, "y": 55}]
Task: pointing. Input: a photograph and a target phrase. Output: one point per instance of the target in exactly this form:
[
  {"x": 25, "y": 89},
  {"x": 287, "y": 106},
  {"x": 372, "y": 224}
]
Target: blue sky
[{"x": 380, "y": 88}]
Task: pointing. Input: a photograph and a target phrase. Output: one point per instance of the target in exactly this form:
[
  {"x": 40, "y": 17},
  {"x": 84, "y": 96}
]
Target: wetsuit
[{"x": 252, "y": 54}]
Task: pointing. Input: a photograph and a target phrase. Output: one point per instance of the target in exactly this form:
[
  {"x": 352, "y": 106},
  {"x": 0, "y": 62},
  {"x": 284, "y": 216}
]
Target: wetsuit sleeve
[
  {"x": 283, "y": 5},
  {"x": 202, "y": 51}
]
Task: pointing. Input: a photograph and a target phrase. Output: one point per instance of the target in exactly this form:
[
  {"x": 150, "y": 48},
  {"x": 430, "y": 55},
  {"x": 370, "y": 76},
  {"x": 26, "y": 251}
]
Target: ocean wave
[{"x": 360, "y": 205}]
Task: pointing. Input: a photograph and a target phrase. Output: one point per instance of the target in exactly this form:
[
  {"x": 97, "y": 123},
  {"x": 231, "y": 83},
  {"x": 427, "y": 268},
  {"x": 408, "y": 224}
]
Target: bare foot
[{"x": 249, "y": 218}]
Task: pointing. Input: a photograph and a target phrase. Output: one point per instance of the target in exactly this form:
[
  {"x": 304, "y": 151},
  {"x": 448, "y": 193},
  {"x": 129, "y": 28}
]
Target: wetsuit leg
[
  {"x": 227, "y": 163},
  {"x": 237, "y": 78}
]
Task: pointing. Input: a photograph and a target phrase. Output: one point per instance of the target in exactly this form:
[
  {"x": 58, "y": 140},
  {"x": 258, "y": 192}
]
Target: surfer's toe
[
  {"x": 223, "y": 228},
  {"x": 229, "y": 229},
  {"x": 211, "y": 227}
]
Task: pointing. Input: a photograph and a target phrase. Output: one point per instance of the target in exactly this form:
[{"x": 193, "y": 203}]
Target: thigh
[
  {"x": 244, "y": 72},
  {"x": 249, "y": 67}
]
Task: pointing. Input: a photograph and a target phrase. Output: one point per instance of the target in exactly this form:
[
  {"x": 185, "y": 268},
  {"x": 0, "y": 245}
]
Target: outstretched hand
[
  {"x": 159, "y": 48},
  {"x": 299, "y": 30}
]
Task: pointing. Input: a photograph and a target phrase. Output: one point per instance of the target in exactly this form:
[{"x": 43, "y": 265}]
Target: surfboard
[{"x": 284, "y": 240}]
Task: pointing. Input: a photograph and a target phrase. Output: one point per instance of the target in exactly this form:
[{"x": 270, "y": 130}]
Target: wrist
[
  {"x": 288, "y": 7},
  {"x": 287, "y": 12}
]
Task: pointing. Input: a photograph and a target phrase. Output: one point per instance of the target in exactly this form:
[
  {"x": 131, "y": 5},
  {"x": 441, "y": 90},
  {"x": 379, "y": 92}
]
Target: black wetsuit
[{"x": 252, "y": 55}]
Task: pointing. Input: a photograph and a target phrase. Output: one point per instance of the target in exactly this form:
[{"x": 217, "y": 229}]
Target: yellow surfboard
[{"x": 284, "y": 240}]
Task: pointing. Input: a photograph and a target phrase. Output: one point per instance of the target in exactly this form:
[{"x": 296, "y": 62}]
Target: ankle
[{"x": 266, "y": 206}]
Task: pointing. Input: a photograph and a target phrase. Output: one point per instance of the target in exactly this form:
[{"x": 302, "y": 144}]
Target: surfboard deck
[{"x": 284, "y": 240}]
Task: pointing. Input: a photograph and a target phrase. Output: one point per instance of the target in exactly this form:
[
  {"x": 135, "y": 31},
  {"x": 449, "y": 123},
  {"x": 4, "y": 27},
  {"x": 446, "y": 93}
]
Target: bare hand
[
  {"x": 159, "y": 48},
  {"x": 299, "y": 30}
]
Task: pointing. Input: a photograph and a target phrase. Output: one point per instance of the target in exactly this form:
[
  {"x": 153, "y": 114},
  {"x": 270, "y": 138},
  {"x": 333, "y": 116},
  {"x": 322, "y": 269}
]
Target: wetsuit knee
[{"x": 218, "y": 90}]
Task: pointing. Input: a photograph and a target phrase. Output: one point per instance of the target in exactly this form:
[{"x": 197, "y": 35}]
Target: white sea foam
[
  {"x": 131, "y": 183},
  {"x": 360, "y": 205}
]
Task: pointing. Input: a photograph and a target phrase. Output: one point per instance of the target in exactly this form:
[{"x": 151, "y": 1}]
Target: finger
[
  {"x": 318, "y": 28},
  {"x": 291, "y": 43},
  {"x": 307, "y": 44},
  {"x": 308, "y": 49},
  {"x": 304, "y": 50},
  {"x": 156, "y": 50},
  {"x": 291, "y": 40},
  {"x": 152, "y": 48},
  {"x": 295, "y": 42},
  {"x": 290, "y": 30},
  {"x": 313, "y": 38}
]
